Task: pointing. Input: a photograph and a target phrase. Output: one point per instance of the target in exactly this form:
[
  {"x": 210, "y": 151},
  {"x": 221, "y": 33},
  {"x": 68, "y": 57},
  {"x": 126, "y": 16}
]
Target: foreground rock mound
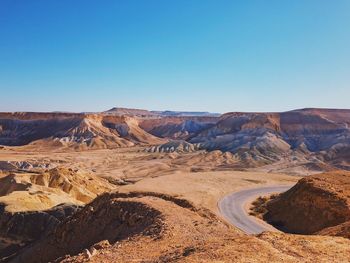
[
  {"x": 149, "y": 227},
  {"x": 21, "y": 228},
  {"x": 106, "y": 218},
  {"x": 316, "y": 203}
]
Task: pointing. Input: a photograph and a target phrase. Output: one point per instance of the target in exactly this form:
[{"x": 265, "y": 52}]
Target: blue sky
[{"x": 181, "y": 55}]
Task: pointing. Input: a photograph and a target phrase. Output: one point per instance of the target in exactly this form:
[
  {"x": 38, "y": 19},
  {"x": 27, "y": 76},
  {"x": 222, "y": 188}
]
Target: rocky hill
[
  {"x": 316, "y": 204},
  {"x": 80, "y": 131},
  {"x": 146, "y": 227}
]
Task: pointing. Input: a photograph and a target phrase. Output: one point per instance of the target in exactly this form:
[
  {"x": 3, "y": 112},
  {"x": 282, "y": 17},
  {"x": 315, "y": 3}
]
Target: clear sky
[{"x": 205, "y": 55}]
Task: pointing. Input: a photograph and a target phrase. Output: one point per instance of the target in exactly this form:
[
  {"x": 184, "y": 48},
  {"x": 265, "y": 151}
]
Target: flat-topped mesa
[
  {"x": 129, "y": 112},
  {"x": 157, "y": 114}
]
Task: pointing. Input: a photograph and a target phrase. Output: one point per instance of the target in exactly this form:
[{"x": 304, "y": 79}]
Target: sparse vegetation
[{"x": 258, "y": 207}]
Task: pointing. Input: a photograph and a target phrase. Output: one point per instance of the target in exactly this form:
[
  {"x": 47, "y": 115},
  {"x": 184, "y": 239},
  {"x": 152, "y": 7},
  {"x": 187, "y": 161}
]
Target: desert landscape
[
  {"x": 158, "y": 131},
  {"x": 131, "y": 185}
]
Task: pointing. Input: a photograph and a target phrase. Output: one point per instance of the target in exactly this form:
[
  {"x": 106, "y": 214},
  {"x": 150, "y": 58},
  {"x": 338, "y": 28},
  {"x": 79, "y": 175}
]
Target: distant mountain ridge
[
  {"x": 187, "y": 113},
  {"x": 313, "y": 137},
  {"x": 166, "y": 113}
]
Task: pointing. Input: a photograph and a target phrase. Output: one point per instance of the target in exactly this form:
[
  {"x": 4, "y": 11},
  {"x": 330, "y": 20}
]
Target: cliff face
[{"x": 315, "y": 203}]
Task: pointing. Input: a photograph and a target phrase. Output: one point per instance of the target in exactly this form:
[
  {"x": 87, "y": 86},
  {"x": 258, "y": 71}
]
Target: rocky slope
[
  {"x": 21, "y": 228},
  {"x": 316, "y": 204},
  {"x": 33, "y": 191},
  {"x": 34, "y": 203},
  {"x": 145, "y": 227}
]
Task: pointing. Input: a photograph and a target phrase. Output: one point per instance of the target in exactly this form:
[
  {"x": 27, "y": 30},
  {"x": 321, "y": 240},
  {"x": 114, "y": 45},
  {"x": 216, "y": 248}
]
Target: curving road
[{"x": 232, "y": 207}]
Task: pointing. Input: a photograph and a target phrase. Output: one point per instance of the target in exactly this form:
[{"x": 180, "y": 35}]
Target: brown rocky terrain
[
  {"x": 147, "y": 228},
  {"x": 316, "y": 204}
]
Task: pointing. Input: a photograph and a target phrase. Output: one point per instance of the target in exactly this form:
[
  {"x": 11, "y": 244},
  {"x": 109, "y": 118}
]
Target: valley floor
[{"x": 179, "y": 190}]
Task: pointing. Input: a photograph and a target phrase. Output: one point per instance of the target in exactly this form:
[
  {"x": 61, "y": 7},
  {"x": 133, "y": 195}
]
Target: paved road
[{"x": 232, "y": 207}]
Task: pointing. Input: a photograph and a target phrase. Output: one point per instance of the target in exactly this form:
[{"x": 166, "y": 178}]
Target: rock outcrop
[
  {"x": 32, "y": 204},
  {"x": 316, "y": 204},
  {"x": 35, "y": 191},
  {"x": 174, "y": 146}
]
